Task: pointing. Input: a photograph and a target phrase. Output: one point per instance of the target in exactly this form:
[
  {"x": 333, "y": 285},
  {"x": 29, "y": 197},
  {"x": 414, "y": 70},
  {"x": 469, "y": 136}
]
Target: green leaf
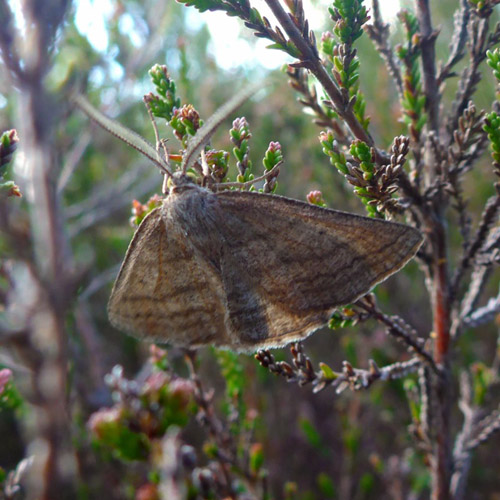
[
  {"x": 326, "y": 486},
  {"x": 328, "y": 373}
]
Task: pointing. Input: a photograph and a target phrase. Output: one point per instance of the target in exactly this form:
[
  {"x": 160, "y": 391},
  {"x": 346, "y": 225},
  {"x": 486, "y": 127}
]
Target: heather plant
[{"x": 397, "y": 398}]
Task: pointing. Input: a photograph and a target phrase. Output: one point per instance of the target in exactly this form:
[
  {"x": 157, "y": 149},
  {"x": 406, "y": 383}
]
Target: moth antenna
[
  {"x": 202, "y": 136},
  {"x": 125, "y": 134},
  {"x": 270, "y": 173}
]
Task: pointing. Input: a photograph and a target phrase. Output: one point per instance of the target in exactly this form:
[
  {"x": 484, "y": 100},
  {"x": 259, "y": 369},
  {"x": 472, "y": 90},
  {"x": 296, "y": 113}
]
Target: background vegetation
[{"x": 87, "y": 412}]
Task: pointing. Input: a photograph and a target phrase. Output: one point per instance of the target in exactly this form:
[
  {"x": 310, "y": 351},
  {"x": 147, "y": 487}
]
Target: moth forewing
[
  {"x": 163, "y": 292},
  {"x": 301, "y": 261}
]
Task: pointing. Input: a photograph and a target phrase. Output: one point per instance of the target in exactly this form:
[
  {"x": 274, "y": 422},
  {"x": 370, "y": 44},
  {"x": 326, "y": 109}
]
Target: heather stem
[
  {"x": 428, "y": 40},
  {"x": 313, "y": 63},
  {"x": 440, "y": 467}
]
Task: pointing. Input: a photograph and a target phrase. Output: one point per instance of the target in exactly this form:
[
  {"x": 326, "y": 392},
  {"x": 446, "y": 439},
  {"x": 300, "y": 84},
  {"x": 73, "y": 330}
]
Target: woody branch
[{"x": 44, "y": 348}]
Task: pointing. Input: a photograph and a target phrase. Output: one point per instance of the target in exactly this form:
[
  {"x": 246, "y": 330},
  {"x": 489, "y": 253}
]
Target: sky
[{"x": 227, "y": 45}]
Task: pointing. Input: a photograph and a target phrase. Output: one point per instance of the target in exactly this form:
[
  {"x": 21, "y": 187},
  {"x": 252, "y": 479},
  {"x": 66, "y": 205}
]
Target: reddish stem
[
  {"x": 441, "y": 313},
  {"x": 441, "y": 470}
]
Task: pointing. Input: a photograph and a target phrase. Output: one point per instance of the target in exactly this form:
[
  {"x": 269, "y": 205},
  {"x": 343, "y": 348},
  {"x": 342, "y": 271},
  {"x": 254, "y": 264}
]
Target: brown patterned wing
[
  {"x": 287, "y": 264},
  {"x": 163, "y": 291}
]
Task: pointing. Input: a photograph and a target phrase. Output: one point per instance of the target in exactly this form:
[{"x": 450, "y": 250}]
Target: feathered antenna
[
  {"x": 195, "y": 144},
  {"x": 125, "y": 134}
]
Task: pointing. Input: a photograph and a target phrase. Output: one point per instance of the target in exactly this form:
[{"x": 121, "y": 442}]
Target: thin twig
[
  {"x": 72, "y": 160},
  {"x": 478, "y": 30},
  {"x": 483, "y": 314},
  {"x": 379, "y": 34},
  {"x": 101, "y": 210},
  {"x": 399, "y": 329},
  {"x": 215, "y": 427},
  {"x": 270, "y": 173},
  {"x": 457, "y": 44},
  {"x": 227, "y": 449},
  {"x": 311, "y": 61},
  {"x": 461, "y": 455},
  {"x": 299, "y": 82},
  {"x": 428, "y": 54},
  {"x": 488, "y": 218},
  {"x": 301, "y": 371}
]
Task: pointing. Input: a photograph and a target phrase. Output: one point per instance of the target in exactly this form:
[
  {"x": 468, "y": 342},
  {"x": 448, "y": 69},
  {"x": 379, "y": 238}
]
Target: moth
[{"x": 238, "y": 269}]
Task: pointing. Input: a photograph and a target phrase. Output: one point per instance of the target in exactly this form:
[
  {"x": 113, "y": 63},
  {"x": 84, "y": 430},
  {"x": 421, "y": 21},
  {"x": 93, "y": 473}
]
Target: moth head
[{"x": 180, "y": 182}]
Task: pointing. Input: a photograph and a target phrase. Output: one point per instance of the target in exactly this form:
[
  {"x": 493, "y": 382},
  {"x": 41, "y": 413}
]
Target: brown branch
[
  {"x": 484, "y": 429},
  {"x": 483, "y": 314},
  {"x": 379, "y": 34},
  {"x": 227, "y": 449},
  {"x": 488, "y": 218},
  {"x": 441, "y": 308},
  {"x": 309, "y": 99},
  {"x": 45, "y": 351},
  {"x": 479, "y": 277},
  {"x": 476, "y": 286},
  {"x": 458, "y": 42},
  {"x": 428, "y": 53},
  {"x": 477, "y": 33},
  {"x": 400, "y": 330},
  {"x": 310, "y": 60},
  {"x": 426, "y": 411},
  {"x": 207, "y": 412},
  {"x": 301, "y": 371},
  {"x": 476, "y": 430},
  {"x": 463, "y": 148},
  {"x": 461, "y": 455}
]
